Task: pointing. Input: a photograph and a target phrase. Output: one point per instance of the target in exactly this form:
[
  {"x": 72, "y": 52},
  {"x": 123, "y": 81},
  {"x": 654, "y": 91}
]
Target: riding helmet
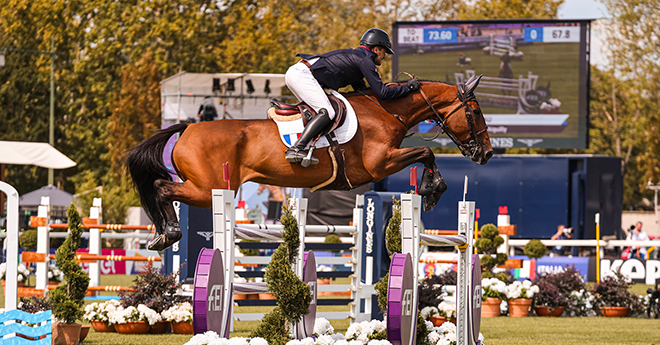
[{"x": 377, "y": 37}]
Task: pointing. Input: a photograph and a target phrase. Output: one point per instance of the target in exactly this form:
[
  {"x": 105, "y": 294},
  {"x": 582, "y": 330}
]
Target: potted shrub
[
  {"x": 33, "y": 305},
  {"x": 519, "y": 297},
  {"x": 134, "y": 320},
  {"x": 555, "y": 291},
  {"x": 487, "y": 245},
  {"x": 493, "y": 292},
  {"x": 100, "y": 315},
  {"x": 535, "y": 249},
  {"x": 67, "y": 299},
  {"x": 156, "y": 292},
  {"x": 613, "y": 298},
  {"x": 181, "y": 317}
]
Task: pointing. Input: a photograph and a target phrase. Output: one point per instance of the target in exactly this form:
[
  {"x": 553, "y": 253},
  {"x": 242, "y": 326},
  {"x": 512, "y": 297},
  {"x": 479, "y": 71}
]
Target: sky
[{"x": 588, "y": 9}]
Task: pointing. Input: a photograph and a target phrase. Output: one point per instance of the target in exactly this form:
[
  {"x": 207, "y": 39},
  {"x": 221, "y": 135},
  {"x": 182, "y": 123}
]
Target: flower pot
[
  {"x": 182, "y": 328},
  {"x": 100, "y": 327},
  {"x": 66, "y": 334},
  {"x": 544, "y": 310},
  {"x": 159, "y": 327},
  {"x": 614, "y": 311},
  {"x": 138, "y": 327},
  {"x": 490, "y": 307},
  {"x": 266, "y": 296},
  {"x": 252, "y": 296},
  {"x": 84, "y": 330},
  {"x": 519, "y": 307},
  {"x": 239, "y": 297},
  {"x": 323, "y": 281},
  {"x": 439, "y": 320}
]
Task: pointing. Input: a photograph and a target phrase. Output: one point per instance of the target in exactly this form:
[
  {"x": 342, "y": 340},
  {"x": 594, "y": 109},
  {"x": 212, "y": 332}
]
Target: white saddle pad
[{"x": 290, "y": 131}]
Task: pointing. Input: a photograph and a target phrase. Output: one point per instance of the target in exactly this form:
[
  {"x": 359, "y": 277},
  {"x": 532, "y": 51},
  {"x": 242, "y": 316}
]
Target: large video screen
[{"x": 534, "y": 90}]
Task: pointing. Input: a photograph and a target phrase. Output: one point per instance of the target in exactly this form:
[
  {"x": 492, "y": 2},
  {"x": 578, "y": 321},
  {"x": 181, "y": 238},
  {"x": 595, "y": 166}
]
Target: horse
[{"x": 255, "y": 152}]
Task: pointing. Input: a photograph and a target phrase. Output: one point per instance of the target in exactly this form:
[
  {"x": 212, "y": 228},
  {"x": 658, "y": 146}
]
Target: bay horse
[{"x": 255, "y": 152}]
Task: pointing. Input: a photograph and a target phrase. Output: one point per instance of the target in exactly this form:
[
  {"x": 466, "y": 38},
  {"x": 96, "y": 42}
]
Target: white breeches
[{"x": 300, "y": 80}]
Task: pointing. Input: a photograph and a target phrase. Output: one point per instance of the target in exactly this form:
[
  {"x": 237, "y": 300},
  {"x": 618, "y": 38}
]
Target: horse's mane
[{"x": 397, "y": 82}]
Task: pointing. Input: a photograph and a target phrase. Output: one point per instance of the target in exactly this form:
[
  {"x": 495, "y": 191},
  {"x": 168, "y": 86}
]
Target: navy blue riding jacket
[{"x": 343, "y": 67}]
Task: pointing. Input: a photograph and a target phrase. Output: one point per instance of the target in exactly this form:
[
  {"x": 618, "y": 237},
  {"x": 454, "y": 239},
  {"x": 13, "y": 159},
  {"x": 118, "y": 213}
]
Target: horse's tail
[{"x": 145, "y": 164}]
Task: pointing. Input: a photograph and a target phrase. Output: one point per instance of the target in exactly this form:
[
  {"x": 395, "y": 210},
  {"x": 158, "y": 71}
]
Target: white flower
[
  {"x": 428, "y": 312},
  {"x": 181, "y": 312},
  {"x": 204, "y": 338},
  {"x": 324, "y": 340},
  {"x": 433, "y": 337},
  {"x": 238, "y": 341},
  {"x": 307, "y": 341},
  {"x": 258, "y": 341},
  {"x": 338, "y": 342},
  {"x": 293, "y": 342},
  {"x": 322, "y": 326}
]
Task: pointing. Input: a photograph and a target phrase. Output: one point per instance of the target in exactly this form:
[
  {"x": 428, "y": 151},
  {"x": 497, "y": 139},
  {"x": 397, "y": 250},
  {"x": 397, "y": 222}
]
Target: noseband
[{"x": 471, "y": 145}]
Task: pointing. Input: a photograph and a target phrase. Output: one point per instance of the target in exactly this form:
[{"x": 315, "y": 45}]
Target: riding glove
[{"x": 414, "y": 85}]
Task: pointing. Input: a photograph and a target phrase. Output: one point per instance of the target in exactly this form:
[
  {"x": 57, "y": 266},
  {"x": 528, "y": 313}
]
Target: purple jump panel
[
  {"x": 475, "y": 299},
  {"x": 305, "y": 328},
  {"x": 208, "y": 293},
  {"x": 401, "y": 314}
]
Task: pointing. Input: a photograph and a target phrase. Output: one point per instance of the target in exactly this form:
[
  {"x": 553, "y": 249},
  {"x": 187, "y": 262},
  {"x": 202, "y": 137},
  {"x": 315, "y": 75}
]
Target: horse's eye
[{"x": 477, "y": 112}]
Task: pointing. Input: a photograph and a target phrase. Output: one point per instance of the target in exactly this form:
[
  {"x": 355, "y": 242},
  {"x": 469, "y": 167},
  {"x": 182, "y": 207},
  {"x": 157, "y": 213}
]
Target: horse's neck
[{"x": 440, "y": 95}]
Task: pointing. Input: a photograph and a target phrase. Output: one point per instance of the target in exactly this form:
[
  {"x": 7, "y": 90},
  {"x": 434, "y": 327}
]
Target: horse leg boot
[
  {"x": 431, "y": 187},
  {"x": 296, "y": 153}
]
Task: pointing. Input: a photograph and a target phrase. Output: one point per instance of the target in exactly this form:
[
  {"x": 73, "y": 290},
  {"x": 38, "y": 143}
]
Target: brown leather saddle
[{"x": 283, "y": 109}]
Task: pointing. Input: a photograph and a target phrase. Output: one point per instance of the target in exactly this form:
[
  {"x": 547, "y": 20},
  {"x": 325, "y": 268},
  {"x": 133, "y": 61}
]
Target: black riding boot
[{"x": 296, "y": 153}]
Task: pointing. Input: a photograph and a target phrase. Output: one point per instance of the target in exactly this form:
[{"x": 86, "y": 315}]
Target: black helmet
[{"x": 377, "y": 37}]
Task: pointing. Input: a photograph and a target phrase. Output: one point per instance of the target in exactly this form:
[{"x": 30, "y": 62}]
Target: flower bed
[{"x": 362, "y": 333}]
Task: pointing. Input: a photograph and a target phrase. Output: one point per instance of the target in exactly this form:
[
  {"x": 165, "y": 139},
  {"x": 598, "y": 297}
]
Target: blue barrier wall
[{"x": 540, "y": 191}]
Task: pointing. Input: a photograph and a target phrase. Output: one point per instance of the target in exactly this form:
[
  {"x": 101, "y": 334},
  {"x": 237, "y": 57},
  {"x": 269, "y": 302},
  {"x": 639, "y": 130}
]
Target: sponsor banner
[
  {"x": 640, "y": 271},
  {"x": 107, "y": 266},
  {"x": 534, "y": 267}
]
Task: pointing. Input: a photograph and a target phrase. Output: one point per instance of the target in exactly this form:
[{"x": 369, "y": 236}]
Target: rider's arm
[
  {"x": 368, "y": 68},
  {"x": 360, "y": 85}
]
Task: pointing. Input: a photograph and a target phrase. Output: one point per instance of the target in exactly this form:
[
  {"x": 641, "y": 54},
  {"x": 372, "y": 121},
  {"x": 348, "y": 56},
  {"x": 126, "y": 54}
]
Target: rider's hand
[{"x": 414, "y": 85}]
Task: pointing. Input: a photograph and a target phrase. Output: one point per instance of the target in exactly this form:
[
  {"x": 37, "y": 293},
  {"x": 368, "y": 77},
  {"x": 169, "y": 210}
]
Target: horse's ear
[
  {"x": 472, "y": 83},
  {"x": 461, "y": 90}
]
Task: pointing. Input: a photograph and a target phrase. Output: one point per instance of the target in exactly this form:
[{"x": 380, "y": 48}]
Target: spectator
[
  {"x": 637, "y": 234},
  {"x": 563, "y": 233},
  {"x": 207, "y": 110}
]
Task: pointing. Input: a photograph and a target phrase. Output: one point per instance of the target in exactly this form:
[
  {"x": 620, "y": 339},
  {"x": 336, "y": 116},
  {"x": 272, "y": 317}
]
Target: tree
[{"x": 635, "y": 60}]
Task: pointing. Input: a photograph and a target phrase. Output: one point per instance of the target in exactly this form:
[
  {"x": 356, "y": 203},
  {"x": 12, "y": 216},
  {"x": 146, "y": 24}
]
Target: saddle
[{"x": 307, "y": 113}]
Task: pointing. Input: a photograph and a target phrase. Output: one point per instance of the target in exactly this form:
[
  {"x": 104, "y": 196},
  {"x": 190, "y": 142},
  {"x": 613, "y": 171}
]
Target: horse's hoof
[
  {"x": 157, "y": 243},
  {"x": 426, "y": 185}
]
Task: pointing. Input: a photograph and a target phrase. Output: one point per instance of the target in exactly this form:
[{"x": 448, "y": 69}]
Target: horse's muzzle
[{"x": 482, "y": 156}]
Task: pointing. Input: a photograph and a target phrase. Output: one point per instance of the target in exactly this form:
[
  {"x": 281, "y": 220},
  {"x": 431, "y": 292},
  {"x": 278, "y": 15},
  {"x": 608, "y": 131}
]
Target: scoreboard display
[{"x": 535, "y": 87}]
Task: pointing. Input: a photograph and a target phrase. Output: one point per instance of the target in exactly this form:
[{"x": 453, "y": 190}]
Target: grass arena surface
[{"x": 497, "y": 331}]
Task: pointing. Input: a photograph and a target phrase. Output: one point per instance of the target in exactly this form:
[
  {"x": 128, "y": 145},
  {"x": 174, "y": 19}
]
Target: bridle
[{"x": 470, "y": 146}]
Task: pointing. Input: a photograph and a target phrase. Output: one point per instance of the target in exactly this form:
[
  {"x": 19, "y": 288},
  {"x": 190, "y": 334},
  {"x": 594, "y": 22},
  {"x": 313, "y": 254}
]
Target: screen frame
[{"x": 581, "y": 141}]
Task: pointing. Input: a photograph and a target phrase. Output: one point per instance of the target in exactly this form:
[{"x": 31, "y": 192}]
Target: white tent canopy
[
  {"x": 28, "y": 153},
  {"x": 181, "y": 95}
]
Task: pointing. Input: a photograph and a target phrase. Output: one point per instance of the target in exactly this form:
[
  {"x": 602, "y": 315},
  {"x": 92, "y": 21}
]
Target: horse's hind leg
[{"x": 171, "y": 231}]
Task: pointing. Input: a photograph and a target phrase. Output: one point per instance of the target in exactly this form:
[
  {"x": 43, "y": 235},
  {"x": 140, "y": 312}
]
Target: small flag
[{"x": 413, "y": 178}]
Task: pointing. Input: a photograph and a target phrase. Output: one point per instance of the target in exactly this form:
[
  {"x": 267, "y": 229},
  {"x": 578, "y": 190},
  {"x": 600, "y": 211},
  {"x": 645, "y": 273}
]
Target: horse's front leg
[{"x": 432, "y": 185}]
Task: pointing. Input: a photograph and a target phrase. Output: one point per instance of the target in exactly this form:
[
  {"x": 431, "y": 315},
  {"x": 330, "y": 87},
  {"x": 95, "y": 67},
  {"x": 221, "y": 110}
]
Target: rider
[{"x": 334, "y": 70}]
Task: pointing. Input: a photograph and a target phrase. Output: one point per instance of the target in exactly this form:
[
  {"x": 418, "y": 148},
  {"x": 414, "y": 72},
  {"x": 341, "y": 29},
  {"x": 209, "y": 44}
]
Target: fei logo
[
  {"x": 476, "y": 297},
  {"x": 406, "y": 303},
  {"x": 214, "y": 298}
]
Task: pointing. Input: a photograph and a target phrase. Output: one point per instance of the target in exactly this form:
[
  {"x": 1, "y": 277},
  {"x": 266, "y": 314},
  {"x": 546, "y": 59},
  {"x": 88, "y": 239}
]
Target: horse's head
[{"x": 464, "y": 122}]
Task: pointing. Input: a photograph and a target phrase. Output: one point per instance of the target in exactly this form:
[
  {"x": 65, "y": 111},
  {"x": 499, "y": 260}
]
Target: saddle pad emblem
[
  {"x": 290, "y": 139},
  {"x": 290, "y": 131}
]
